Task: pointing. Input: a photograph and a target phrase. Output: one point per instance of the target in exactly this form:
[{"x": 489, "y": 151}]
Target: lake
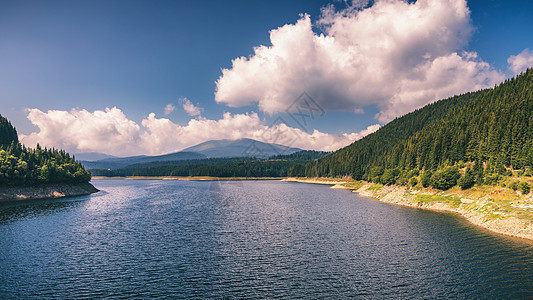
[{"x": 249, "y": 239}]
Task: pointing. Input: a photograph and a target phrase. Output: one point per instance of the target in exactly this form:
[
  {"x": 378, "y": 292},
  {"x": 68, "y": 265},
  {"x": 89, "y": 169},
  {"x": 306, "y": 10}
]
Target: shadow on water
[{"x": 11, "y": 211}]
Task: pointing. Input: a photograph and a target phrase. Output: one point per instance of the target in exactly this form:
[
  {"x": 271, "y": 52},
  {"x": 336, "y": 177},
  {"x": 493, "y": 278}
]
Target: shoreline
[
  {"x": 483, "y": 212},
  {"x": 45, "y": 191}
]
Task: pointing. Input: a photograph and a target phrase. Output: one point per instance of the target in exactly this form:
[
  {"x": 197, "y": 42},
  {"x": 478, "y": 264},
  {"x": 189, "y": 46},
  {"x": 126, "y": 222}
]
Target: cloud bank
[
  {"x": 110, "y": 131},
  {"x": 396, "y": 55}
]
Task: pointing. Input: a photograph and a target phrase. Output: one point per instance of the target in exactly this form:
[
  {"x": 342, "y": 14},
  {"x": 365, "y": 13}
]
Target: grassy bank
[{"x": 498, "y": 209}]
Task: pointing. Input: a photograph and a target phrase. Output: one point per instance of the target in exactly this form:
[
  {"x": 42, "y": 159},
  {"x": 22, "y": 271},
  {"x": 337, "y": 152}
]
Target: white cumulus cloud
[
  {"x": 190, "y": 108},
  {"x": 522, "y": 61},
  {"x": 169, "y": 109},
  {"x": 110, "y": 131},
  {"x": 393, "y": 54}
]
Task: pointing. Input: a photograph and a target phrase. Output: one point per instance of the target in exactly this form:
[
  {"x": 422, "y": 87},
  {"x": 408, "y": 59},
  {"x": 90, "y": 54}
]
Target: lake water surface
[{"x": 249, "y": 239}]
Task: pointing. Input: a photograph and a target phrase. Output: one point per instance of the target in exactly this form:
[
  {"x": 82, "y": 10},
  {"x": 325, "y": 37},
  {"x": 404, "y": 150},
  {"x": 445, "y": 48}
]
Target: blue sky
[{"x": 140, "y": 56}]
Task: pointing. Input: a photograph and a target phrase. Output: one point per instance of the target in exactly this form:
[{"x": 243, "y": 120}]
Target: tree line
[{"x": 275, "y": 166}]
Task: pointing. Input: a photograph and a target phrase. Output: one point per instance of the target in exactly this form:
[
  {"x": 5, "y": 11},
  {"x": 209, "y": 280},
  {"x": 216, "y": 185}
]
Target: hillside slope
[{"x": 492, "y": 126}]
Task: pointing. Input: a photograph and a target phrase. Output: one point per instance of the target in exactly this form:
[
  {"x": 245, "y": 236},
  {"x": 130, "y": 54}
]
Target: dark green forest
[
  {"x": 25, "y": 166},
  {"x": 275, "y": 166},
  {"x": 474, "y": 138}
]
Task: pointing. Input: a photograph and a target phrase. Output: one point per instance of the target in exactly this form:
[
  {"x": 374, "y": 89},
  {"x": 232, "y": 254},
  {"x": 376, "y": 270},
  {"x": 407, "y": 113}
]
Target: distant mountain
[
  {"x": 209, "y": 149},
  {"x": 92, "y": 156},
  {"x": 240, "y": 148},
  {"x": 120, "y": 162}
]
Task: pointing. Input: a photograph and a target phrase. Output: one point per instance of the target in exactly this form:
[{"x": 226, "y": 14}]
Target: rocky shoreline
[
  {"x": 57, "y": 190},
  {"x": 475, "y": 211}
]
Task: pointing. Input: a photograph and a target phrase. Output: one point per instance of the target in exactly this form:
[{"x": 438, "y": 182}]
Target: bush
[
  {"x": 389, "y": 176},
  {"x": 468, "y": 180},
  {"x": 426, "y": 178},
  {"x": 525, "y": 188},
  {"x": 515, "y": 185},
  {"x": 402, "y": 181},
  {"x": 446, "y": 178},
  {"x": 413, "y": 181},
  {"x": 492, "y": 179}
]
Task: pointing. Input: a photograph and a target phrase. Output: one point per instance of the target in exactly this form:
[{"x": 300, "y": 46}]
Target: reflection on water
[
  {"x": 11, "y": 211},
  {"x": 253, "y": 239}
]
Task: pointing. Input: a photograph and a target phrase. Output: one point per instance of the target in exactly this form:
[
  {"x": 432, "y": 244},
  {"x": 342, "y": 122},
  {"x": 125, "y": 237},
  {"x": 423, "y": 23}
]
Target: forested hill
[
  {"x": 493, "y": 127},
  {"x": 25, "y": 166}
]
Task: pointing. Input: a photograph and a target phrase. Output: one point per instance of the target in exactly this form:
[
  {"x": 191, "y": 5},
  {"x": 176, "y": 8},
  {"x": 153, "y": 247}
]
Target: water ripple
[{"x": 252, "y": 240}]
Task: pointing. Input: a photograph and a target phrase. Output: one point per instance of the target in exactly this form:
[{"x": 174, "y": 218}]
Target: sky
[{"x": 153, "y": 77}]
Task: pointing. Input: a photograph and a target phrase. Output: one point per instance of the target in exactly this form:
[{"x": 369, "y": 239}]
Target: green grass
[
  {"x": 354, "y": 185},
  {"x": 453, "y": 200},
  {"x": 376, "y": 187}
]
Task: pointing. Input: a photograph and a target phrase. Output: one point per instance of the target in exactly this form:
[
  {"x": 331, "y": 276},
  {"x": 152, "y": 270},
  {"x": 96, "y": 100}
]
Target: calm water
[{"x": 253, "y": 239}]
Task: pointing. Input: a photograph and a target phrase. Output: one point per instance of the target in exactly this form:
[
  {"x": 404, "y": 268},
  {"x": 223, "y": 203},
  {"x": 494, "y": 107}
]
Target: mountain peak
[{"x": 245, "y": 147}]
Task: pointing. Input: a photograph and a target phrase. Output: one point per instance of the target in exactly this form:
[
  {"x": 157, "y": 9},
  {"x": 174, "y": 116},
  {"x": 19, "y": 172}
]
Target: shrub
[
  {"x": 446, "y": 178},
  {"x": 515, "y": 185},
  {"x": 468, "y": 180},
  {"x": 426, "y": 178},
  {"x": 389, "y": 176},
  {"x": 413, "y": 181},
  {"x": 402, "y": 181},
  {"x": 492, "y": 179},
  {"x": 525, "y": 188}
]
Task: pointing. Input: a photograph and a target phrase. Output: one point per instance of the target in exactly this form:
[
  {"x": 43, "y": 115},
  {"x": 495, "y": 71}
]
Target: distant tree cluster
[
  {"x": 474, "y": 138},
  {"x": 25, "y": 166},
  {"x": 275, "y": 166},
  {"x": 304, "y": 155},
  {"x": 242, "y": 167}
]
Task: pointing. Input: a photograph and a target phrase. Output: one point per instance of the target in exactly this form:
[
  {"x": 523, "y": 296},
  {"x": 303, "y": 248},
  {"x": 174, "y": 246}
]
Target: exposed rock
[{"x": 56, "y": 190}]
